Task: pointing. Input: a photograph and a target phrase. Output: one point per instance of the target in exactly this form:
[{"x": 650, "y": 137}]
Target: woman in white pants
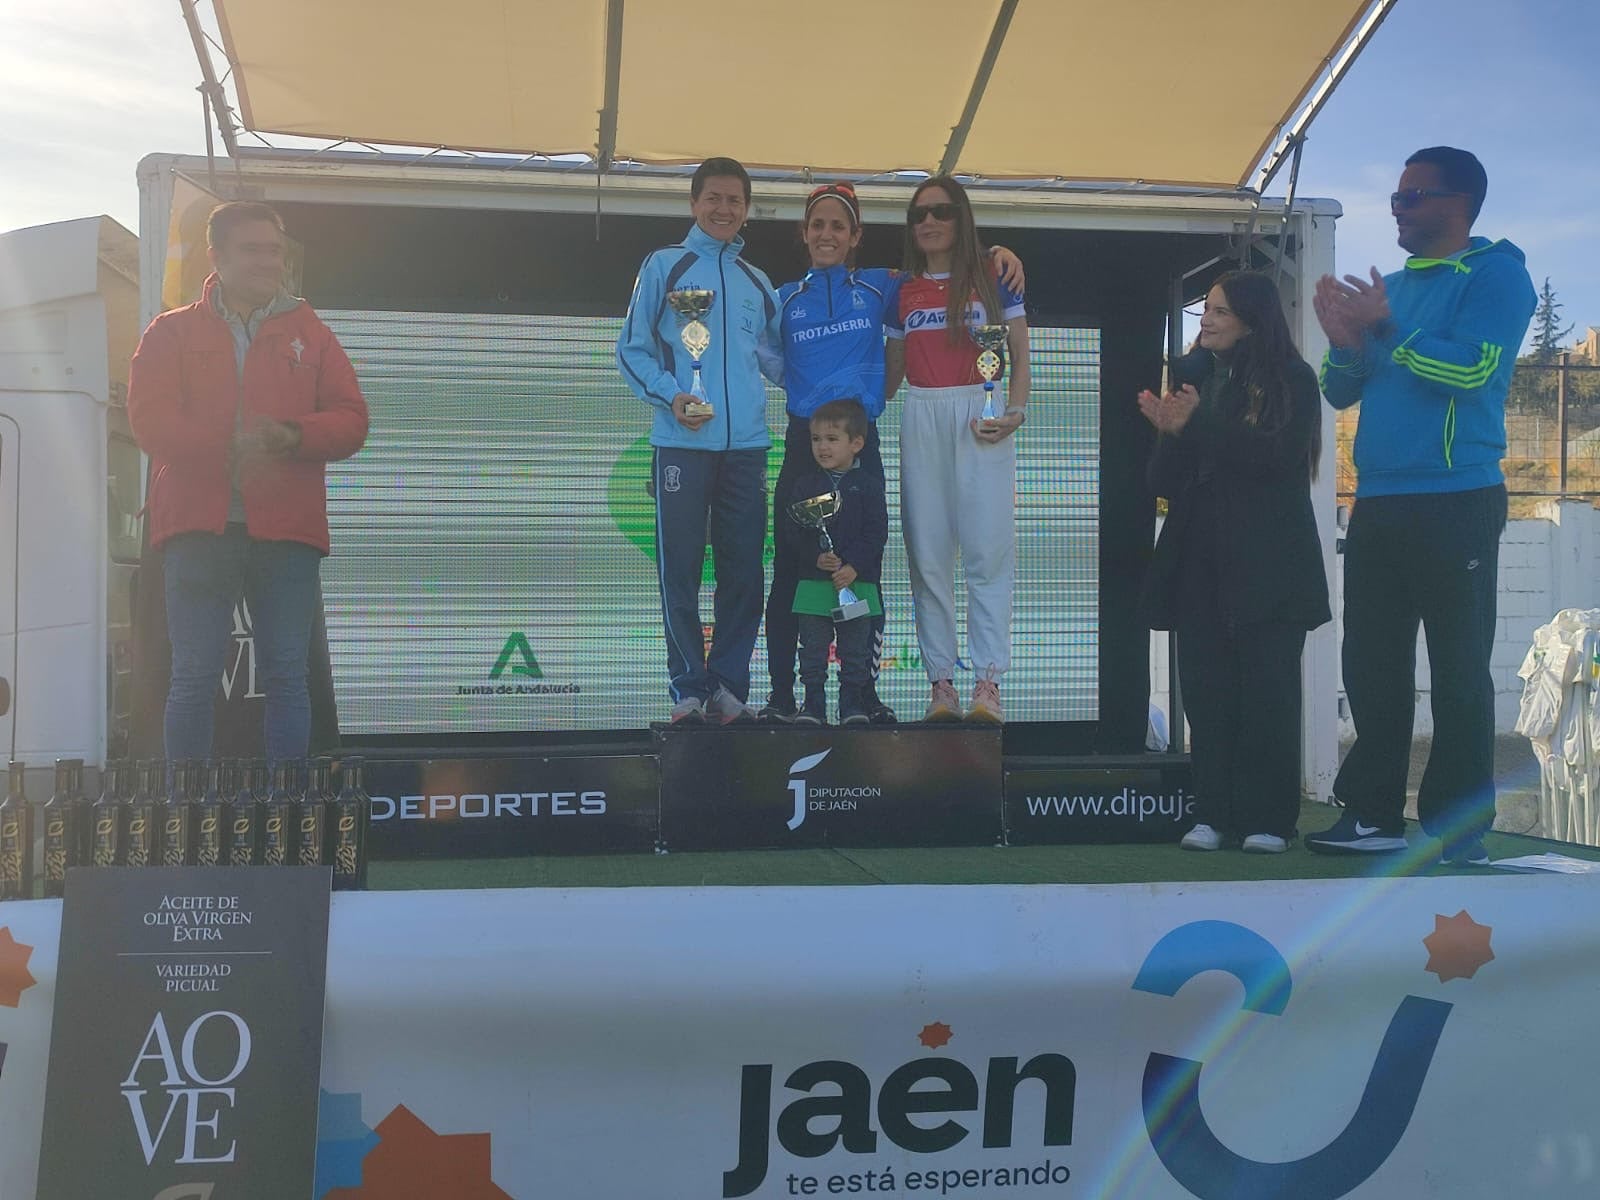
[{"x": 957, "y": 470}]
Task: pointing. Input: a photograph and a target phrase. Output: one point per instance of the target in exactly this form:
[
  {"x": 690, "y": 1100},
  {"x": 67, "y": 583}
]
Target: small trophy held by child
[{"x": 816, "y": 513}]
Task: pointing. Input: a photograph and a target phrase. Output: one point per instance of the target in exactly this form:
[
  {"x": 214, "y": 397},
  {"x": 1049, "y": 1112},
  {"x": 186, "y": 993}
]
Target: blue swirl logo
[{"x": 1170, "y": 1095}]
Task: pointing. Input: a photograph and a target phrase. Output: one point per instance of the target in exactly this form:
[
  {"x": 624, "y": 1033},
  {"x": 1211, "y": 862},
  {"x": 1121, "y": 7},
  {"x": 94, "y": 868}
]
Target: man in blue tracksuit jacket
[
  {"x": 710, "y": 472},
  {"x": 1428, "y": 353}
]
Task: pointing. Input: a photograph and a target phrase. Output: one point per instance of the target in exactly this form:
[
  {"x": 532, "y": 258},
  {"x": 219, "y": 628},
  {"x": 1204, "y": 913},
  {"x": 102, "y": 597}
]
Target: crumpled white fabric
[{"x": 1560, "y": 717}]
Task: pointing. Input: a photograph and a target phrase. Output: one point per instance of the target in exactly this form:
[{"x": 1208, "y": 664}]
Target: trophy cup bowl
[
  {"x": 691, "y": 304},
  {"x": 815, "y": 513},
  {"x": 991, "y": 341}
]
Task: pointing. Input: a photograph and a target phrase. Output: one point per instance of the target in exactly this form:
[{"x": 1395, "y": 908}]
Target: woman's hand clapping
[{"x": 1171, "y": 412}]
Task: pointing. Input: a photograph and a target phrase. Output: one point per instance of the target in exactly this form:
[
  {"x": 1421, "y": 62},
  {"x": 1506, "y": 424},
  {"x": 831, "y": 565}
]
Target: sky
[{"x": 91, "y": 86}]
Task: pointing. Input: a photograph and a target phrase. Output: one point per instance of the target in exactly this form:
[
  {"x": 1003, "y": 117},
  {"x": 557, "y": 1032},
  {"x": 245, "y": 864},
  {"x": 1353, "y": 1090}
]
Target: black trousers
[
  {"x": 783, "y": 626},
  {"x": 854, "y": 641},
  {"x": 1241, "y": 693},
  {"x": 1430, "y": 560}
]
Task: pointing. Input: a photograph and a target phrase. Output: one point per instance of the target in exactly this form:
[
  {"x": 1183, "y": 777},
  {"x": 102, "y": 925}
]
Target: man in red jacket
[{"x": 240, "y": 400}]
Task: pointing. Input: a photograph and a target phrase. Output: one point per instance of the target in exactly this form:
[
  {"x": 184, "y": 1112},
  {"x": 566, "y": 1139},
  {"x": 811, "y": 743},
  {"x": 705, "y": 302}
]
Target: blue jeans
[{"x": 206, "y": 574}]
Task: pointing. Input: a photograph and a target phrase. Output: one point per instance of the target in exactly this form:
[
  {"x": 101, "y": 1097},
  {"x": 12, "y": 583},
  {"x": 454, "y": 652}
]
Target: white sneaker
[
  {"x": 725, "y": 708},
  {"x": 1202, "y": 837},
  {"x": 1264, "y": 843},
  {"x": 691, "y": 710}
]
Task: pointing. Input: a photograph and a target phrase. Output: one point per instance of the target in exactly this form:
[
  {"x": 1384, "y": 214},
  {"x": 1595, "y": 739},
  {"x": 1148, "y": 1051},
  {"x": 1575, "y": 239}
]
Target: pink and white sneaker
[
  {"x": 986, "y": 707},
  {"x": 944, "y": 705}
]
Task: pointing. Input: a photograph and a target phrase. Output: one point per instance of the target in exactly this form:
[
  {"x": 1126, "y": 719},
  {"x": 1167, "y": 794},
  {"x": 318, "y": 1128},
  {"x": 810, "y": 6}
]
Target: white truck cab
[{"x": 70, "y": 491}]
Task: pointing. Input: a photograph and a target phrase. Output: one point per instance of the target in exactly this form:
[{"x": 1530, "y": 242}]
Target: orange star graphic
[
  {"x": 14, "y": 976},
  {"x": 1457, "y": 947},
  {"x": 936, "y": 1035}
]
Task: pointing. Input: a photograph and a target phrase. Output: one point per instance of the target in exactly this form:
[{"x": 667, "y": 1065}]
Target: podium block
[
  {"x": 511, "y": 806},
  {"x": 781, "y": 786},
  {"x": 1139, "y": 799}
]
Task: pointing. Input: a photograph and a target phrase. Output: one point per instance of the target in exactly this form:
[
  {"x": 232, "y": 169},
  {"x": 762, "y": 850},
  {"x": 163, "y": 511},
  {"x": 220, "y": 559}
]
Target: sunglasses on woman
[
  {"x": 1411, "y": 197},
  {"x": 944, "y": 211}
]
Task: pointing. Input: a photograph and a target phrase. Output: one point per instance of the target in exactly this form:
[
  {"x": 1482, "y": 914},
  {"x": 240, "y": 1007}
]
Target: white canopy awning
[{"x": 1156, "y": 91}]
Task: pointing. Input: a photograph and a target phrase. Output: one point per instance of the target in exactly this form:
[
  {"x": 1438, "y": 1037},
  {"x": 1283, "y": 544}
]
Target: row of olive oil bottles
[{"x": 228, "y": 813}]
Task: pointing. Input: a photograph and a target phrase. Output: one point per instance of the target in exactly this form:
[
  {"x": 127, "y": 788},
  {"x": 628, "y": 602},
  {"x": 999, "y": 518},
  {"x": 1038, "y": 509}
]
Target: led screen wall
[{"x": 493, "y": 564}]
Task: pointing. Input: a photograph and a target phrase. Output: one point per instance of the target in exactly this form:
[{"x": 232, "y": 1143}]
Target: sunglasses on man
[
  {"x": 917, "y": 213},
  {"x": 1411, "y": 197}
]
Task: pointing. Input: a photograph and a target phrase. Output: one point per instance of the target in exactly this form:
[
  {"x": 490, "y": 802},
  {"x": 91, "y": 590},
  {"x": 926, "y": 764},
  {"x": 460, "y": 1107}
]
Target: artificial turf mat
[{"x": 961, "y": 865}]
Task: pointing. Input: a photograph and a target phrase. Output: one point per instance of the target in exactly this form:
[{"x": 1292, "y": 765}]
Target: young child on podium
[{"x": 829, "y": 580}]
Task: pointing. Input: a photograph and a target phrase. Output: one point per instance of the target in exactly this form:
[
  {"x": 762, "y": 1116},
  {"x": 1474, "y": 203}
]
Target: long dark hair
[
  {"x": 969, "y": 266},
  {"x": 1262, "y": 361}
]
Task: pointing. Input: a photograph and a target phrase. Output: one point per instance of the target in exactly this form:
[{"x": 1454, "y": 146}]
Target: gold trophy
[
  {"x": 691, "y": 304},
  {"x": 991, "y": 341},
  {"x": 815, "y": 513}
]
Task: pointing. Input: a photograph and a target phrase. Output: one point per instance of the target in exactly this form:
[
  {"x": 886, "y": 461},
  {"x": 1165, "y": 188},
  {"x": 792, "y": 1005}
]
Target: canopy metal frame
[
  {"x": 980, "y": 83},
  {"x": 220, "y": 90},
  {"x": 1337, "y": 67}
]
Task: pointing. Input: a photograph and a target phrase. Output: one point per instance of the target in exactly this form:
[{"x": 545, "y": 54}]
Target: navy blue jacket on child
[{"x": 859, "y": 532}]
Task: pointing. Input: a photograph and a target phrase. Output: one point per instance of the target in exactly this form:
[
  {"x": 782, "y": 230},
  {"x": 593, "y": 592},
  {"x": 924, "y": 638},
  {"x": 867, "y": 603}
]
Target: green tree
[{"x": 1547, "y": 332}]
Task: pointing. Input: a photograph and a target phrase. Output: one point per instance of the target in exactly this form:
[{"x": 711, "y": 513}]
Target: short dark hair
[
  {"x": 847, "y": 414},
  {"x": 1459, "y": 171},
  {"x": 713, "y": 167},
  {"x": 225, "y": 218}
]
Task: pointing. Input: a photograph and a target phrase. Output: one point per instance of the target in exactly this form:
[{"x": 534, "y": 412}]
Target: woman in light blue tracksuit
[{"x": 709, "y": 472}]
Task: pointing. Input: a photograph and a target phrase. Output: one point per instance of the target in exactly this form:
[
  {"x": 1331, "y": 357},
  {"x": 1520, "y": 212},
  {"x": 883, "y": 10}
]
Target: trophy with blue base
[
  {"x": 691, "y": 304},
  {"x": 816, "y": 513},
  {"x": 991, "y": 341}
]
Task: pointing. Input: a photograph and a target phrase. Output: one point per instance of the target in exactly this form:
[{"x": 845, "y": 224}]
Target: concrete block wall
[{"x": 1527, "y": 600}]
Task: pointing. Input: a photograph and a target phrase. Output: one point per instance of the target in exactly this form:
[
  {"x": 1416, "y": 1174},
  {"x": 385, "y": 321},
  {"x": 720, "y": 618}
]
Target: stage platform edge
[{"x": 745, "y": 787}]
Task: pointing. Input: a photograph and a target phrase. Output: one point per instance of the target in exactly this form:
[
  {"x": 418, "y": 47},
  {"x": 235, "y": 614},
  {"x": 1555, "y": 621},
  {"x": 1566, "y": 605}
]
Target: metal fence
[{"x": 1552, "y": 435}]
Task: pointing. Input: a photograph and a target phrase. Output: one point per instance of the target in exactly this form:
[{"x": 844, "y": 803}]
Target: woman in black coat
[{"x": 1237, "y": 570}]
